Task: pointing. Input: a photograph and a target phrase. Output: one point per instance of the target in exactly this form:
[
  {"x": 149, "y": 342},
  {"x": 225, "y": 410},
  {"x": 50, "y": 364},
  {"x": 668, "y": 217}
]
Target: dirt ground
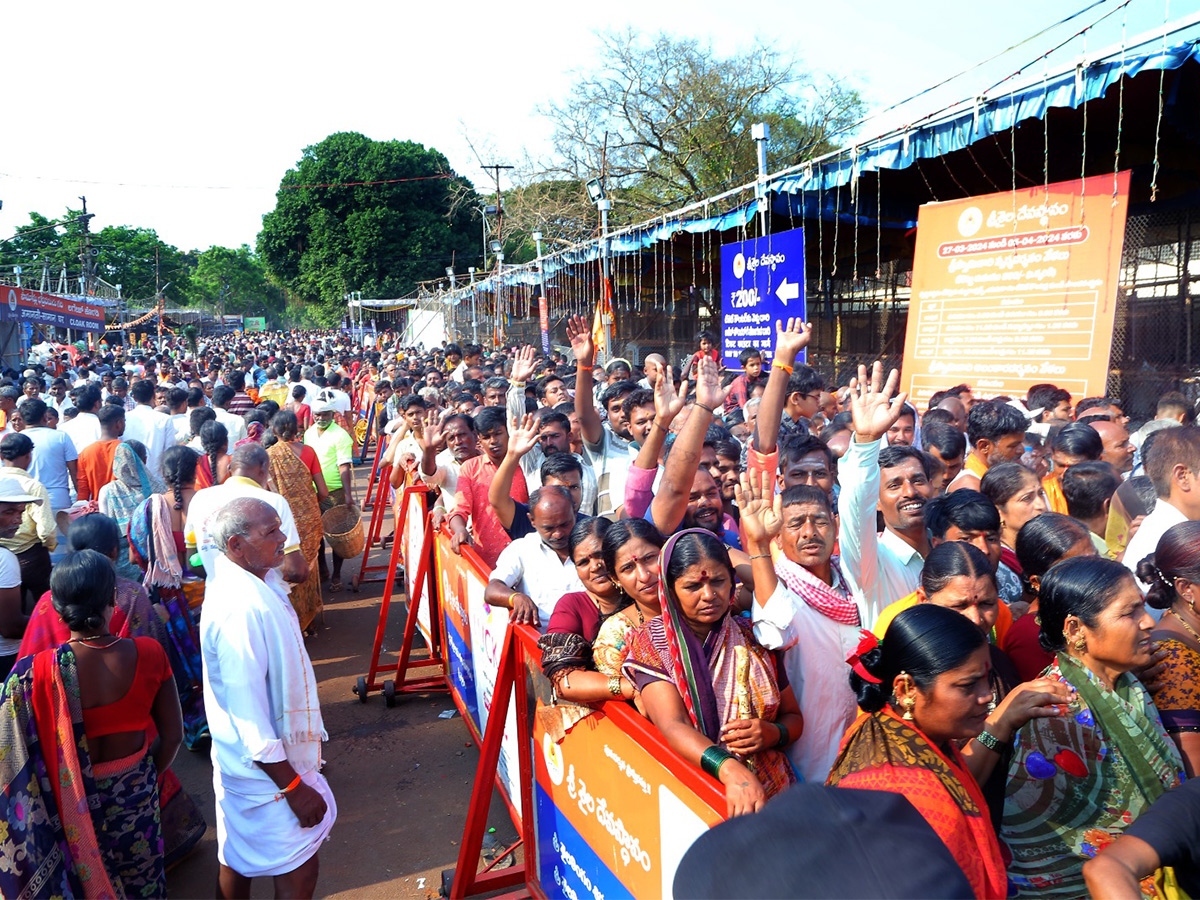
[{"x": 402, "y": 776}]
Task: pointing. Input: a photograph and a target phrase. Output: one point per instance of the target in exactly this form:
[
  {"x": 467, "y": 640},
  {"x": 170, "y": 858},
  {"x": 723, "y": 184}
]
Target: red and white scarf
[{"x": 834, "y": 602}]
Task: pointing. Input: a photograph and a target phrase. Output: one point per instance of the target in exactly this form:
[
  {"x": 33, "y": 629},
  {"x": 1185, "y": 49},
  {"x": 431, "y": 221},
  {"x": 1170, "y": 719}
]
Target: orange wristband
[
  {"x": 783, "y": 366},
  {"x": 287, "y": 790}
]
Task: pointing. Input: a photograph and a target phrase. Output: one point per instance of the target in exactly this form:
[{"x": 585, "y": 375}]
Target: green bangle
[
  {"x": 989, "y": 740},
  {"x": 785, "y": 736},
  {"x": 712, "y": 759}
]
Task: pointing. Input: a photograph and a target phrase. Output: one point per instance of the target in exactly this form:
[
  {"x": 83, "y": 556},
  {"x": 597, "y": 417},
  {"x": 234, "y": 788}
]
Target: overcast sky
[{"x": 184, "y": 117}]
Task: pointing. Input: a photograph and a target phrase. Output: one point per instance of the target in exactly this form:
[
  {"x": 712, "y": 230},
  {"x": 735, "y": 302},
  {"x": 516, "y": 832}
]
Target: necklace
[
  {"x": 1188, "y": 628},
  {"x": 96, "y": 637}
]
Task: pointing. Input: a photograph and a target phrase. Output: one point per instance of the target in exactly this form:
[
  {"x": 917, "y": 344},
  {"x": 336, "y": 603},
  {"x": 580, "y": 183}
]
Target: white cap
[
  {"x": 12, "y": 492},
  {"x": 324, "y": 403}
]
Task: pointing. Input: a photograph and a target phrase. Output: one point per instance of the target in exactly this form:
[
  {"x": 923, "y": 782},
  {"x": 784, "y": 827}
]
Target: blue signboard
[
  {"x": 762, "y": 282},
  {"x": 567, "y": 865}
]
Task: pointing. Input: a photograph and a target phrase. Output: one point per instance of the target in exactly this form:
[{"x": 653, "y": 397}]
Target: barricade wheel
[
  {"x": 360, "y": 688},
  {"x": 447, "y": 882},
  {"x": 389, "y": 693}
]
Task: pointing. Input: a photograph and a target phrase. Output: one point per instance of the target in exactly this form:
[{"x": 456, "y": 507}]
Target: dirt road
[{"x": 402, "y": 776}]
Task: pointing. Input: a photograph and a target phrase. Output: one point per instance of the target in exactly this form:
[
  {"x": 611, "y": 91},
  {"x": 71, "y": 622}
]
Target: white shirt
[
  {"x": 815, "y": 654},
  {"x": 52, "y": 450},
  {"x": 610, "y": 460},
  {"x": 1145, "y": 542},
  {"x": 152, "y": 428},
  {"x": 445, "y": 476},
  {"x": 529, "y": 566},
  {"x": 181, "y": 422},
  {"x": 83, "y": 430},
  {"x": 10, "y": 577},
  {"x": 208, "y": 501},
  {"x": 880, "y": 568},
  {"x": 341, "y": 400},
  {"x": 531, "y": 462},
  {"x": 234, "y": 425}
]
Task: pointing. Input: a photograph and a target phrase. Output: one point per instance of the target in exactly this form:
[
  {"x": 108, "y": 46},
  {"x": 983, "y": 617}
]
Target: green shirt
[{"x": 334, "y": 448}]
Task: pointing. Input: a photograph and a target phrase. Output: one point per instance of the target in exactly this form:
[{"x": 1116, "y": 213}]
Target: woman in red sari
[{"x": 922, "y": 689}]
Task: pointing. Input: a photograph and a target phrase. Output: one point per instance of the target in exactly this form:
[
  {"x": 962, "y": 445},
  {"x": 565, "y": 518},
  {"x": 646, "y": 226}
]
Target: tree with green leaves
[
  {"x": 235, "y": 282},
  {"x": 666, "y": 120},
  {"x": 357, "y": 214}
]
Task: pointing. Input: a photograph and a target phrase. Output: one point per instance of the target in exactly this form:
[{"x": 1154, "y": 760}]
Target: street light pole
[
  {"x": 474, "y": 320},
  {"x": 604, "y": 205},
  {"x": 761, "y": 132}
]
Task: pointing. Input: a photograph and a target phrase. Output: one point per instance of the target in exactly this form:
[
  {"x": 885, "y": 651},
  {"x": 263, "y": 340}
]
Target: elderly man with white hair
[{"x": 274, "y": 807}]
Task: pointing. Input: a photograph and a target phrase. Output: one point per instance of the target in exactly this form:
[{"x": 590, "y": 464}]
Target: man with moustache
[
  {"x": 895, "y": 481},
  {"x": 534, "y": 571},
  {"x": 812, "y": 614}
]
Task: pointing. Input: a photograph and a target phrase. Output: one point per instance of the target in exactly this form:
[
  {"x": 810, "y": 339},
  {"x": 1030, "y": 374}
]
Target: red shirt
[{"x": 474, "y": 478}]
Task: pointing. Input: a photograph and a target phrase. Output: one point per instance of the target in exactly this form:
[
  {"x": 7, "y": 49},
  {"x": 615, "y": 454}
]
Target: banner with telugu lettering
[{"x": 1015, "y": 289}]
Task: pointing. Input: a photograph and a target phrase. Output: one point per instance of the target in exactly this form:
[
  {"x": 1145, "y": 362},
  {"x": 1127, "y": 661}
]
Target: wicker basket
[{"x": 344, "y": 530}]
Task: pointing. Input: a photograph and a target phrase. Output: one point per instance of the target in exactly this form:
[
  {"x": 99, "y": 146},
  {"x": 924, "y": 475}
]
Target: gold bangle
[
  {"x": 614, "y": 685},
  {"x": 510, "y": 598}
]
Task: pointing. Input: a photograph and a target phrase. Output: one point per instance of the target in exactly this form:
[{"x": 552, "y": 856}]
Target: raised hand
[
  {"x": 523, "y": 436},
  {"x": 579, "y": 333},
  {"x": 790, "y": 339},
  {"x": 430, "y": 436},
  {"x": 522, "y": 369},
  {"x": 760, "y": 507},
  {"x": 874, "y": 404},
  {"x": 709, "y": 392},
  {"x": 668, "y": 403}
]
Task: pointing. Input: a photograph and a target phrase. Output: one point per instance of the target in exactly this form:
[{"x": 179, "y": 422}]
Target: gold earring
[
  {"x": 908, "y": 704},
  {"x": 1080, "y": 644}
]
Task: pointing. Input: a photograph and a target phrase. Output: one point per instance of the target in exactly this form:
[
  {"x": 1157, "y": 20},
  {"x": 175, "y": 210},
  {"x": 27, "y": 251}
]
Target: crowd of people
[{"x": 986, "y": 607}]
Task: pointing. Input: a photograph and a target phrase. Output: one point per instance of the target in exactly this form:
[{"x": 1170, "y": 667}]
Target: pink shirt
[{"x": 471, "y": 497}]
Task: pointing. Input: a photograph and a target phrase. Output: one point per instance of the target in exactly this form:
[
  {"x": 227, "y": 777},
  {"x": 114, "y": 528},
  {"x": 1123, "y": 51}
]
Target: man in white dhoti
[{"x": 274, "y": 808}]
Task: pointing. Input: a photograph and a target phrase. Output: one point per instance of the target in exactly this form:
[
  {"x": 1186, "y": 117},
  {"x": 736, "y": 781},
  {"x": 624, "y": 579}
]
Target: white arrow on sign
[{"x": 788, "y": 290}]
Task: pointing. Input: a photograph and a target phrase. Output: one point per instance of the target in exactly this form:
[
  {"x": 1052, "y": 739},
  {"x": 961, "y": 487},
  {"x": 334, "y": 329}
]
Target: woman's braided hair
[{"x": 179, "y": 471}]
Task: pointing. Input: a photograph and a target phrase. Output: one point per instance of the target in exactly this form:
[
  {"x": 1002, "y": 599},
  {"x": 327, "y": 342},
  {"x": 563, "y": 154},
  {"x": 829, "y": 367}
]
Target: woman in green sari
[{"x": 1077, "y": 781}]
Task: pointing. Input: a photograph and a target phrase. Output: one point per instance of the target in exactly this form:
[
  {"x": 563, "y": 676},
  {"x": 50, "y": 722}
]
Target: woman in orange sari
[
  {"x": 296, "y": 476},
  {"x": 921, "y": 689}
]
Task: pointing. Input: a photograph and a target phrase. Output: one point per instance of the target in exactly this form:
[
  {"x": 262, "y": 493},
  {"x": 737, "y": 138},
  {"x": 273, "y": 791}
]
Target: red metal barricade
[
  {"x": 421, "y": 589},
  {"x": 379, "y": 511}
]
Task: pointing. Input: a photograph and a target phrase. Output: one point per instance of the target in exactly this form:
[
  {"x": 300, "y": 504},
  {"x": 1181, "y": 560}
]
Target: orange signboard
[{"x": 1015, "y": 289}]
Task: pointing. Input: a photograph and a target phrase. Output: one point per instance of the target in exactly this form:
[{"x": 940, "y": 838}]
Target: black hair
[
  {"x": 14, "y": 446},
  {"x": 198, "y": 416},
  {"x": 109, "y": 415},
  {"x": 268, "y": 408},
  {"x": 490, "y": 418},
  {"x": 706, "y": 335},
  {"x": 639, "y": 397},
  {"x": 795, "y": 446},
  {"x": 195, "y": 397},
  {"x": 285, "y": 424},
  {"x": 1176, "y": 556},
  {"x": 890, "y": 457},
  {"x": 557, "y": 464},
  {"x": 924, "y": 641},
  {"x": 213, "y": 436},
  {"x": 142, "y": 390},
  {"x": 82, "y": 586},
  {"x": 728, "y": 448},
  {"x": 1043, "y": 541},
  {"x": 617, "y": 364},
  {"x": 496, "y": 383},
  {"x": 1087, "y": 486},
  {"x": 1045, "y": 397},
  {"x": 299, "y": 392},
  {"x": 618, "y": 390},
  {"x": 1093, "y": 403},
  {"x": 539, "y": 386},
  {"x": 748, "y": 354},
  {"x": 804, "y": 380},
  {"x": 222, "y": 394},
  {"x": 1173, "y": 403},
  {"x": 1001, "y": 482},
  {"x": 621, "y": 533},
  {"x": 806, "y": 493},
  {"x": 965, "y": 509},
  {"x": 954, "y": 559},
  {"x": 696, "y": 547},
  {"x": 88, "y": 398},
  {"x": 412, "y": 400},
  {"x": 453, "y": 349},
  {"x": 550, "y": 417},
  {"x": 179, "y": 471},
  {"x": 95, "y": 531},
  {"x": 1082, "y": 587},
  {"x": 32, "y": 411},
  {"x": 1076, "y": 439},
  {"x": 992, "y": 420},
  {"x": 948, "y": 440},
  {"x": 596, "y": 526},
  {"x": 938, "y": 416}
]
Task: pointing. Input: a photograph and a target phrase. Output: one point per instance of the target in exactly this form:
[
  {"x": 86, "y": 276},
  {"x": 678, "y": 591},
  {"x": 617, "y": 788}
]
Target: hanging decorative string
[
  {"x": 820, "y": 237},
  {"x": 1046, "y": 133},
  {"x": 854, "y": 187},
  {"x": 1162, "y": 74},
  {"x": 1120, "y": 108},
  {"x": 921, "y": 172},
  {"x": 878, "y": 221}
]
